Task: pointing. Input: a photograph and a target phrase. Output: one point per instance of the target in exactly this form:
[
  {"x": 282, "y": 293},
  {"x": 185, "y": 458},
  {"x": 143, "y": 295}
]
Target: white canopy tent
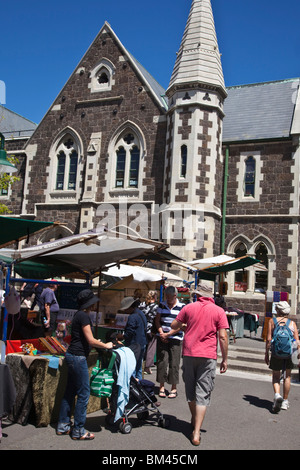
[
  {"x": 141, "y": 274},
  {"x": 224, "y": 263},
  {"x": 210, "y": 262}
]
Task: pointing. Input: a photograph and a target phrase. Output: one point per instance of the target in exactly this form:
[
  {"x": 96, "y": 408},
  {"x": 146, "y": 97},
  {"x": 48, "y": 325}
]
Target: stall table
[{"x": 40, "y": 383}]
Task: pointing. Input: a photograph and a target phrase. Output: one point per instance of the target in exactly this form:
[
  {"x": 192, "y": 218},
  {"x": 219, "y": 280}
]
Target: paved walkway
[
  {"x": 239, "y": 418},
  {"x": 252, "y": 340}
]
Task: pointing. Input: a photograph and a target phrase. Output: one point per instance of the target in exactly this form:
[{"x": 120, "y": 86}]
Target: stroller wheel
[
  {"x": 125, "y": 428},
  {"x": 164, "y": 422}
]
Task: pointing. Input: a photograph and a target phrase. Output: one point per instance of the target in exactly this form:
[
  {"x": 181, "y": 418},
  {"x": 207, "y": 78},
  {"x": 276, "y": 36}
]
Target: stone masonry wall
[{"x": 85, "y": 112}]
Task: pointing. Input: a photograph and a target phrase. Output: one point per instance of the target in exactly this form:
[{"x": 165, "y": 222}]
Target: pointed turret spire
[{"x": 198, "y": 59}]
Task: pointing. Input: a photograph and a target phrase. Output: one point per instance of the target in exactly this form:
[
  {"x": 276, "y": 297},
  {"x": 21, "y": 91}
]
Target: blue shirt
[{"x": 48, "y": 297}]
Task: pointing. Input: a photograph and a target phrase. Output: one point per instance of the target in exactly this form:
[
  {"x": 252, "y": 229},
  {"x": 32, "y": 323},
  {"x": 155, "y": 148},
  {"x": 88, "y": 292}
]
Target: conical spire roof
[{"x": 198, "y": 59}]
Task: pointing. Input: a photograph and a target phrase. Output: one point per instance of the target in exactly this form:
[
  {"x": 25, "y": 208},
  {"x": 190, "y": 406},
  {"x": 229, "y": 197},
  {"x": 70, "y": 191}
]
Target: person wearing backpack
[{"x": 282, "y": 332}]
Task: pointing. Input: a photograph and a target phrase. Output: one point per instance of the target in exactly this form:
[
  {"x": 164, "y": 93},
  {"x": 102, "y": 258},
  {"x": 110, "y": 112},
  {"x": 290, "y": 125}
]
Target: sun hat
[
  {"x": 204, "y": 290},
  {"x": 127, "y": 302},
  {"x": 86, "y": 298},
  {"x": 283, "y": 307}
]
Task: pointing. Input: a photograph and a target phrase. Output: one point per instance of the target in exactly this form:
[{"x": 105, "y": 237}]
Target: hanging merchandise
[{"x": 12, "y": 301}]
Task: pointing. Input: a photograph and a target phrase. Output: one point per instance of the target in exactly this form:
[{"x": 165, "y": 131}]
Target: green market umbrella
[{"x": 14, "y": 229}]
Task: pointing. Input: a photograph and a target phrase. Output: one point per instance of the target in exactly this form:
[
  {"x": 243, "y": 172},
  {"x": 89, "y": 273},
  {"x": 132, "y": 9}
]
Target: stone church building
[{"x": 218, "y": 166}]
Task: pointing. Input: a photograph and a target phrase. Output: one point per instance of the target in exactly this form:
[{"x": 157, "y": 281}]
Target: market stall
[
  {"x": 218, "y": 266},
  {"x": 40, "y": 378},
  {"x": 119, "y": 282},
  {"x": 14, "y": 230},
  {"x": 78, "y": 256}
]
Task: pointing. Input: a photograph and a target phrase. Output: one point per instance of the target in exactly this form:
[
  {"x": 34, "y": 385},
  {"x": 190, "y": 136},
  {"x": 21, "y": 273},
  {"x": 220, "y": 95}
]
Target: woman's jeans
[{"x": 78, "y": 384}]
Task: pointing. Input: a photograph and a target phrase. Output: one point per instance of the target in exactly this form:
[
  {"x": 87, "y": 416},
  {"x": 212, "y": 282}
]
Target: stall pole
[
  {"x": 98, "y": 303},
  {"x": 196, "y": 285},
  {"x": 5, "y": 312},
  {"x": 161, "y": 291}
]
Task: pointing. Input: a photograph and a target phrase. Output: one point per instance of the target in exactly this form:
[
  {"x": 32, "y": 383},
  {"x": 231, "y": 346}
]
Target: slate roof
[
  {"x": 157, "y": 89},
  {"x": 260, "y": 111},
  {"x": 14, "y": 125}
]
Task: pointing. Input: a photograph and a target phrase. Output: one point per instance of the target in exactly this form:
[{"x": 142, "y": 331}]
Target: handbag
[{"x": 102, "y": 380}]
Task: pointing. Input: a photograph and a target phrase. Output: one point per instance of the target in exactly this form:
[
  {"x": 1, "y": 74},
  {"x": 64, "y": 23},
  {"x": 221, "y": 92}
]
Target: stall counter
[{"x": 40, "y": 383}]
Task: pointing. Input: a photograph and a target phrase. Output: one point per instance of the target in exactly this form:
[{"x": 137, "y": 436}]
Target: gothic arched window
[
  {"x": 261, "y": 275},
  {"x": 127, "y": 161},
  {"x": 254, "y": 278},
  {"x": 102, "y": 76},
  {"x": 241, "y": 277},
  {"x": 120, "y": 172},
  {"x": 67, "y": 164},
  {"x": 134, "y": 167}
]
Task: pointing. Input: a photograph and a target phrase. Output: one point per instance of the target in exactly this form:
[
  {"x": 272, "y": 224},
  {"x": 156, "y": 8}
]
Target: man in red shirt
[{"x": 205, "y": 324}]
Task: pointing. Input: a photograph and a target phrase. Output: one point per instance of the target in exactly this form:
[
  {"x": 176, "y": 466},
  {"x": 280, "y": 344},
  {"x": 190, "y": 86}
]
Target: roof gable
[
  {"x": 154, "y": 87},
  {"x": 151, "y": 85}
]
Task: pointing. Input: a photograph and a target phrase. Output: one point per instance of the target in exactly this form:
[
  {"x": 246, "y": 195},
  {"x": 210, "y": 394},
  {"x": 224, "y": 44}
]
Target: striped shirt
[{"x": 167, "y": 316}]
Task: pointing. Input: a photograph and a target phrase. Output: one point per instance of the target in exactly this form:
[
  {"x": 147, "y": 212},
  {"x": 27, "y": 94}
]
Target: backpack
[{"x": 281, "y": 345}]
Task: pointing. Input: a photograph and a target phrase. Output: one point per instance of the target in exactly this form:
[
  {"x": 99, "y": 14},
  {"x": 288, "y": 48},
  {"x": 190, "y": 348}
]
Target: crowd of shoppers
[{"x": 166, "y": 332}]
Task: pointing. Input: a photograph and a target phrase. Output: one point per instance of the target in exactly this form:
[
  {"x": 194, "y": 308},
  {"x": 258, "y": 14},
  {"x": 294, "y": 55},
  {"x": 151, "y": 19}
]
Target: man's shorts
[
  {"x": 277, "y": 363},
  {"x": 199, "y": 378}
]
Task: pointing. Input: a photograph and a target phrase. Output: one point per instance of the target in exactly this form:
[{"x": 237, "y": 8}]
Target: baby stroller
[{"x": 142, "y": 401}]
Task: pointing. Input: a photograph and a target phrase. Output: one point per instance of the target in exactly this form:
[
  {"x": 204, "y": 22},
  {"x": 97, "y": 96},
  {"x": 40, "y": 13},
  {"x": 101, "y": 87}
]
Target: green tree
[{"x": 7, "y": 180}]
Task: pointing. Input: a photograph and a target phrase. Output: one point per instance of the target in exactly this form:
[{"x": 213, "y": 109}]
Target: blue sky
[{"x": 42, "y": 42}]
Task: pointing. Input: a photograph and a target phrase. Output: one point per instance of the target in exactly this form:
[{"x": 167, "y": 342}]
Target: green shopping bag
[{"x": 101, "y": 381}]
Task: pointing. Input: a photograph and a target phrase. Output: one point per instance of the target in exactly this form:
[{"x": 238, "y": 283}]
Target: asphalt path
[{"x": 239, "y": 418}]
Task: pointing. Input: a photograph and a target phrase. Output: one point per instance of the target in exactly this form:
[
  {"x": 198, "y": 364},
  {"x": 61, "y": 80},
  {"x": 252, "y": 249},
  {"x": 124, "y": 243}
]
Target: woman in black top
[{"x": 78, "y": 384}]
